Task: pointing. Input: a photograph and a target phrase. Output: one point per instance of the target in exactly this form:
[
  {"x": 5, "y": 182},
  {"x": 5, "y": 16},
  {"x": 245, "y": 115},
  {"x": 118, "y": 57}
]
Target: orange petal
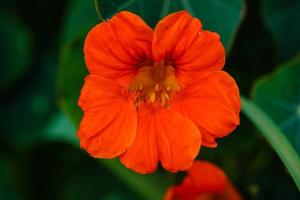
[
  {"x": 169, "y": 32},
  {"x": 161, "y": 137},
  {"x": 108, "y": 126},
  {"x": 184, "y": 191},
  {"x": 207, "y": 178},
  {"x": 204, "y": 181},
  {"x": 213, "y": 103},
  {"x": 113, "y": 48},
  {"x": 178, "y": 140},
  {"x": 179, "y": 37},
  {"x": 142, "y": 156}
]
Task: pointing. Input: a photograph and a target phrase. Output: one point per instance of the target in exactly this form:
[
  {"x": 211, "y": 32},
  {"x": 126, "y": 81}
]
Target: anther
[
  {"x": 154, "y": 82},
  {"x": 156, "y": 87},
  {"x": 152, "y": 97},
  {"x": 166, "y": 95}
]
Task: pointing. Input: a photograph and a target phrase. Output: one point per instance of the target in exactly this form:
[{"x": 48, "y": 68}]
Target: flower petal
[
  {"x": 142, "y": 156},
  {"x": 207, "y": 178},
  {"x": 161, "y": 137},
  {"x": 179, "y": 37},
  {"x": 203, "y": 181},
  {"x": 178, "y": 140},
  {"x": 184, "y": 191},
  {"x": 113, "y": 48},
  {"x": 108, "y": 126},
  {"x": 213, "y": 103},
  {"x": 169, "y": 31}
]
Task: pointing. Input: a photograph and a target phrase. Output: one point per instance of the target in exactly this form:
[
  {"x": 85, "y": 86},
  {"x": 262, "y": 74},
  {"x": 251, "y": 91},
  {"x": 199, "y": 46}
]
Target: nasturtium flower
[
  {"x": 155, "y": 95},
  {"x": 204, "y": 181}
]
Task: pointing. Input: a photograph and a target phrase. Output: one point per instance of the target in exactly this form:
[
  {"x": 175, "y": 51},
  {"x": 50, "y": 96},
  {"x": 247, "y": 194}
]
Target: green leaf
[
  {"x": 278, "y": 94},
  {"x": 282, "y": 19},
  {"x": 81, "y": 16},
  {"x": 221, "y": 16},
  {"x": 15, "y": 50},
  {"x": 275, "y": 137}
]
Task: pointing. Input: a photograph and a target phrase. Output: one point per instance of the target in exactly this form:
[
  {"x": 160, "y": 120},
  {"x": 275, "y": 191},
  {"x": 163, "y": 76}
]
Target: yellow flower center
[{"x": 154, "y": 83}]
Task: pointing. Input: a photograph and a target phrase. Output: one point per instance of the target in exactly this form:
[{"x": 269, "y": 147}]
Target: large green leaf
[
  {"x": 15, "y": 50},
  {"x": 81, "y": 16},
  {"x": 278, "y": 94},
  {"x": 278, "y": 97},
  {"x": 282, "y": 19},
  {"x": 221, "y": 16}
]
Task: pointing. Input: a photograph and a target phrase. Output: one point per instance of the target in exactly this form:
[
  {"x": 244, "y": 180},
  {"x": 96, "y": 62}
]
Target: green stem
[
  {"x": 275, "y": 137},
  {"x": 97, "y": 7}
]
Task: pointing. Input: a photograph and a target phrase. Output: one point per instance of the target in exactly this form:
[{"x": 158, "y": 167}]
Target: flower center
[{"x": 154, "y": 83}]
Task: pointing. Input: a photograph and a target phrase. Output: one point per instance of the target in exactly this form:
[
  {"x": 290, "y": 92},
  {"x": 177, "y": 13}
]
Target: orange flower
[
  {"x": 204, "y": 181},
  {"x": 155, "y": 95}
]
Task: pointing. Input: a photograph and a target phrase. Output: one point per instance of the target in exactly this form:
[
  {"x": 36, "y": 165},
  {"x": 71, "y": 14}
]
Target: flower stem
[{"x": 98, "y": 11}]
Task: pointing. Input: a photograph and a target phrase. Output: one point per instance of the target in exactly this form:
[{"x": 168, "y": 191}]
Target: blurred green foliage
[
  {"x": 15, "y": 50},
  {"x": 282, "y": 19},
  {"x": 42, "y": 70}
]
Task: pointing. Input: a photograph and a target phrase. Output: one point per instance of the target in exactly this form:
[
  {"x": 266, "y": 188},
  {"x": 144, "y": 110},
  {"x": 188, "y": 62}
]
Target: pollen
[{"x": 154, "y": 83}]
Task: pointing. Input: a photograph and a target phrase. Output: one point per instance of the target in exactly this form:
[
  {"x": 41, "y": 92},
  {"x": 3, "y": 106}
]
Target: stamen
[
  {"x": 154, "y": 83},
  {"x": 152, "y": 97},
  {"x": 156, "y": 87}
]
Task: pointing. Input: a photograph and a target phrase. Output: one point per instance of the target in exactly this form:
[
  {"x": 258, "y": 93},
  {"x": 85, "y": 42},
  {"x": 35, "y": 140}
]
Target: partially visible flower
[
  {"x": 204, "y": 181},
  {"x": 155, "y": 95}
]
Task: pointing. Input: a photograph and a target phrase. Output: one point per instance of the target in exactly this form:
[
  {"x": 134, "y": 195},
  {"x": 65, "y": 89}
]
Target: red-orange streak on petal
[
  {"x": 213, "y": 103},
  {"x": 179, "y": 37},
  {"x": 162, "y": 135},
  {"x": 108, "y": 126},
  {"x": 113, "y": 49}
]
